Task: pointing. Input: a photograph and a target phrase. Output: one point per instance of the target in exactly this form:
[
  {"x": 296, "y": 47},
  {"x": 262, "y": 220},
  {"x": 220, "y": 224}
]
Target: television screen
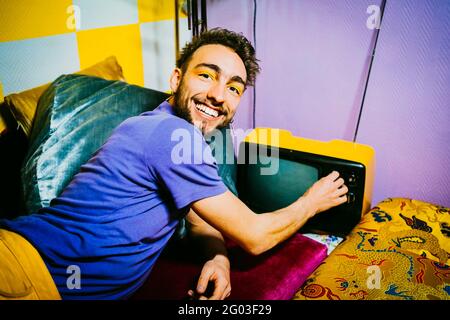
[{"x": 272, "y": 192}]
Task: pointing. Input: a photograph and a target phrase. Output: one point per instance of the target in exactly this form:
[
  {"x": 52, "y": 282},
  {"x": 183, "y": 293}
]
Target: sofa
[{"x": 399, "y": 250}]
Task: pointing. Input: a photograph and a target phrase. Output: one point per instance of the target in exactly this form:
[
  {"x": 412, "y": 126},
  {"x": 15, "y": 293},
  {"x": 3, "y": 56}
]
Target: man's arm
[
  {"x": 257, "y": 233},
  {"x": 217, "y": 267}
]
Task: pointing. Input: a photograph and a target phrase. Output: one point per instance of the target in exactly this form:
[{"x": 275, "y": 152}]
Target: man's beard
[
  {"x": 181, "y": 105},
  {"x": 182, "y": 109}
]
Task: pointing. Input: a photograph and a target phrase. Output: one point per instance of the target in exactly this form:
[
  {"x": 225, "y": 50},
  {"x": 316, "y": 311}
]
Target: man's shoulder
[{"x": 153, "y": 120}]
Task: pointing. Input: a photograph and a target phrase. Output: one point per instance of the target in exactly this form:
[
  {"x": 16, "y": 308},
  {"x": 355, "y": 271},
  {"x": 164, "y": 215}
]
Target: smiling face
[{"x": 208, "y": 92}]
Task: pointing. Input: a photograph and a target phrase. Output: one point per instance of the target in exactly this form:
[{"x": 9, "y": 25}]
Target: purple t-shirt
[{"x": 112, "y": 221}]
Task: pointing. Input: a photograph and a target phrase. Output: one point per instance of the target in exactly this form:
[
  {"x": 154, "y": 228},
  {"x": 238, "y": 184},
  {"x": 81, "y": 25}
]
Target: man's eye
[
  {"x": 205, "y": 75},
  {"x": 235, "y": 90}
]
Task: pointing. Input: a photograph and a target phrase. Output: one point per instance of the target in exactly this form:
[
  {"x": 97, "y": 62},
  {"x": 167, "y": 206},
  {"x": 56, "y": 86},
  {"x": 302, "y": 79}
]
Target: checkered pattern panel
[{"x": 41, "y": 39}]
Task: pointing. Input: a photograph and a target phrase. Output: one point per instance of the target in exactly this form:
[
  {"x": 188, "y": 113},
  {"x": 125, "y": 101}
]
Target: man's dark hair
[{"x": 235, "y": 41}]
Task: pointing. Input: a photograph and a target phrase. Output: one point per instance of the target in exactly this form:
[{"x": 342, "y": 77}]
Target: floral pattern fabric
[
  {"x": 399, "y": 250},
  {"x": 330, "y": 241}
]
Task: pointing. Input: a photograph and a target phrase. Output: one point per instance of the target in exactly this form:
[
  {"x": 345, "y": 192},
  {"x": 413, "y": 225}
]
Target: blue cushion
[
  {"x": 226, "y": 158},
  {"x": 74, "y": 117}
]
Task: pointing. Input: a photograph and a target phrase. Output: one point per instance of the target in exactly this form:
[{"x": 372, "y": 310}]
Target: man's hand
[
  {"x": 326, "y": 193},
  {"x": 216, "y": 270},
  {"x": 217, "y": 267}
]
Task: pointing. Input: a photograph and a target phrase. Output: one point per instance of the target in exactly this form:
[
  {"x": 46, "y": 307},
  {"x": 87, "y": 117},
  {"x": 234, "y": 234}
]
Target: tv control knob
[
  {"x": 352, "y": 179},
  {"x": 351, "y": 197}
]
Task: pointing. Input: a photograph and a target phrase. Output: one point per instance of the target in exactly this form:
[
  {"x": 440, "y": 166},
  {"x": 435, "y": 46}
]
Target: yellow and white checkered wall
[{"x": 42, "y": 39}]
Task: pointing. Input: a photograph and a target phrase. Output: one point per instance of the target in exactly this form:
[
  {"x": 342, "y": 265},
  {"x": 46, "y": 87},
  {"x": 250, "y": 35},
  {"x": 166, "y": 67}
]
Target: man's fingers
[
  {"x": 341, "y": 200},
  {"x": 333, "y": 175},
  {"x": 226, "y": 292},
  {"x": 203, "y": 281},
  {"x": 339, "y": 182},
  {"x": 220, "y": 287},
  {"x": 341, "y": 191},
  {"x": 219, "y": 290}
]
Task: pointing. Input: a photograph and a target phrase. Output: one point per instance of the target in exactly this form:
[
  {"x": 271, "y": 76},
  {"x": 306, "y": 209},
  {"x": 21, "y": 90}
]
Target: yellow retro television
[{"x": 275, "y": 168}]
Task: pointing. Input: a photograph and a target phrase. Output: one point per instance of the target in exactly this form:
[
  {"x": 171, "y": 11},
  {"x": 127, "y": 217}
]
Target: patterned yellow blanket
[{"x": 399, "y": 250}]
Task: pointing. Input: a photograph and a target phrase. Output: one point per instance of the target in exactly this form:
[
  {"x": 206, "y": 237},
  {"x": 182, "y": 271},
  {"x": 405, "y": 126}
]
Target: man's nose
[{"x": 216, "y": 93}]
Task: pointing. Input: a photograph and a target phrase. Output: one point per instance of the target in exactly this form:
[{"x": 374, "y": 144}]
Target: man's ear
[{"x": 175, "y": 79}]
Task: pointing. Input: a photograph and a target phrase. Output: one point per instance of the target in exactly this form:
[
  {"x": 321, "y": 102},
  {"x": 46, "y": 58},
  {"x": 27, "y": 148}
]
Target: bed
[{"x": 399, "y": 250}]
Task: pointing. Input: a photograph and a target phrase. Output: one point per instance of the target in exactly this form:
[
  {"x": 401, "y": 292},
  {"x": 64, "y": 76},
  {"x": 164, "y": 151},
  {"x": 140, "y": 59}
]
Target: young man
[{"x": 112, "y": 221}]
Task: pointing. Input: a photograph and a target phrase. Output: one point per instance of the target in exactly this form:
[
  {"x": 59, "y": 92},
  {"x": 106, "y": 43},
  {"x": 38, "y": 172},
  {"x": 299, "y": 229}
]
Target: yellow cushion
[
  {"x": 403, "y": 242},
  {"x": 2, "y": 124},
  {"x": 23, "y": 105},
  {"x": 2, "y": 121},
  {"x": 24, "y": 274}
]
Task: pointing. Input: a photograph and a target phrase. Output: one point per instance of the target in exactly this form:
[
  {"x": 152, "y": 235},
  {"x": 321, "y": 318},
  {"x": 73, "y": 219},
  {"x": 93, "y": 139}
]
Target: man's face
[{"x": 209, "y": 91}]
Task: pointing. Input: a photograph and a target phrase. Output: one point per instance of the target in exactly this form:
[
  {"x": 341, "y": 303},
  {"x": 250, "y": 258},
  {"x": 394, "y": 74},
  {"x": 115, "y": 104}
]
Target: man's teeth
[{"x": 207, "y": 110}]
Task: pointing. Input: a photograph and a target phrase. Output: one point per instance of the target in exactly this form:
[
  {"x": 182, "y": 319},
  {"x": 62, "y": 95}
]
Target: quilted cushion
[
  {"x": 2, "y": 120},
  {"x": 399, "y": 251},
  {"x": 223, "y": 151},
  {"x": 75, "y": 115},
  {"x": 274, "y": 275}
]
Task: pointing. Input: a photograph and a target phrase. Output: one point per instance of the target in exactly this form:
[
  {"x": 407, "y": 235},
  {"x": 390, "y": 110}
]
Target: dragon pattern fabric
[{"x": 399, "y": 250}]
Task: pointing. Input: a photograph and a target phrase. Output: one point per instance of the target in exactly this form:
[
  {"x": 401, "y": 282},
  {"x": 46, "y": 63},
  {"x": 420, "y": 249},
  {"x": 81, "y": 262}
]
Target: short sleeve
[{"x": 183, "y": 162}]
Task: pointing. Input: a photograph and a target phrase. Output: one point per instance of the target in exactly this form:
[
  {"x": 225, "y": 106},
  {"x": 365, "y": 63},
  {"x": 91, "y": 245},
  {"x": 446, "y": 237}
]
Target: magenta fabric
[{"x": 274, "y": 275}]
